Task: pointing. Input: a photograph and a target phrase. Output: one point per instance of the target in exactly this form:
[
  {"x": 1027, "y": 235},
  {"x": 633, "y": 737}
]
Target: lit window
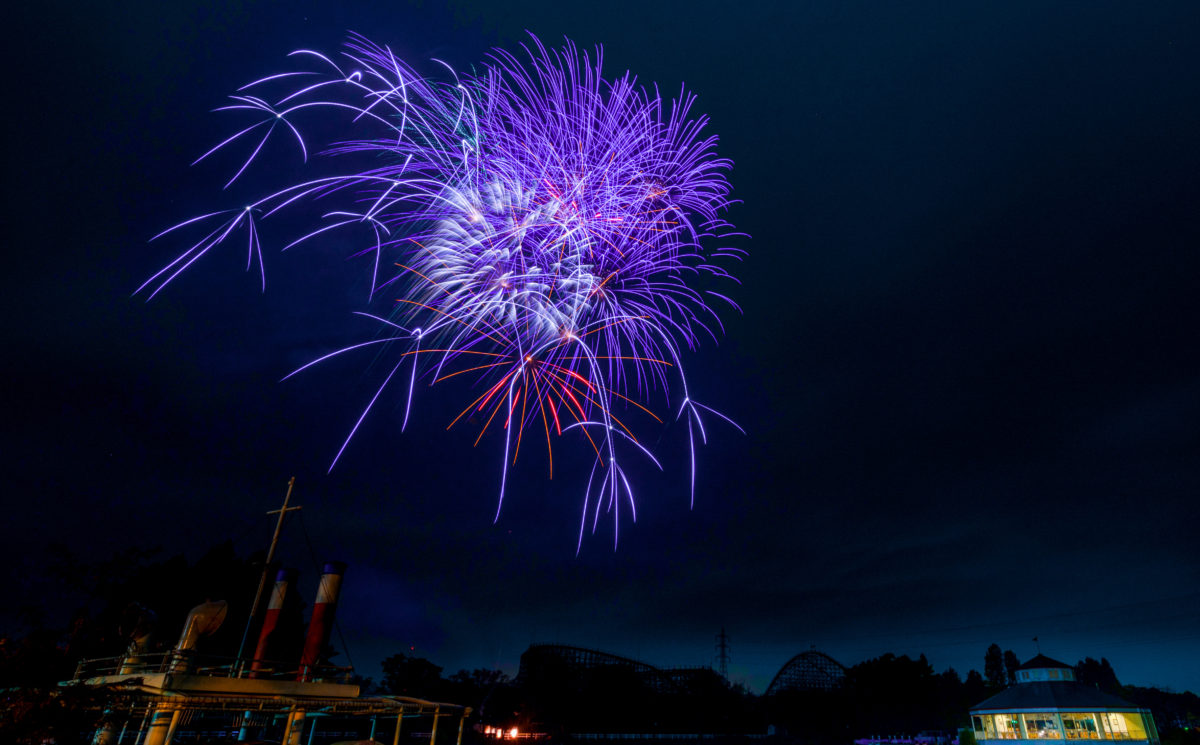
[
  {"x": 1124, "y": 725},
  {"x": 1080, "y": 727},
  {"x": 1007, "y": 727},
  {"x": 1041, "y": 727},
  {"x": 989, "y": 728}
]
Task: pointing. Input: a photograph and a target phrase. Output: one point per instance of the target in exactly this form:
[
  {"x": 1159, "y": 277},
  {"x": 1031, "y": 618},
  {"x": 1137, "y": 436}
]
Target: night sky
[{"x": 967, "y": 365}]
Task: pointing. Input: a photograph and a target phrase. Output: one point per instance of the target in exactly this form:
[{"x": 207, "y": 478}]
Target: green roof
[{"x": 1062, "y": 695}]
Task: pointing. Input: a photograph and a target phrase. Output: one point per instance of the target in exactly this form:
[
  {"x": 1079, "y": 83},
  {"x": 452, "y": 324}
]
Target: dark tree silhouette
[
  {"x": 412, "y": 676},
  {"x": 485, "y": 691},
  {"x": 1011, "y": 663},
  {"x": 974, "y": 688},
  {"x": 993, "y": 666},
  {"x": 1099, "y": 674}
]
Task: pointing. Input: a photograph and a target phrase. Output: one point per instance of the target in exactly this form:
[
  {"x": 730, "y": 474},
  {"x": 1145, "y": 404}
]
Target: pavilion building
[{"x": 1047, "y": 703}]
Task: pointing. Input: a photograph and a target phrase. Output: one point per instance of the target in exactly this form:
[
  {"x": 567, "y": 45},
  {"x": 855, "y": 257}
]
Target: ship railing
[{"x": 215, "y": 666}]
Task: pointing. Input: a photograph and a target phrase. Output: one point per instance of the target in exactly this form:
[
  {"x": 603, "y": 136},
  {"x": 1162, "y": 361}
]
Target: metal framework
[
  {"x": 577, "y": 657},
  {"x": 808, "y": 671},
  {"x": 580, "y": 660},
  {"x": 144, "y": 715},
  {"x": 154, "y": 698}
]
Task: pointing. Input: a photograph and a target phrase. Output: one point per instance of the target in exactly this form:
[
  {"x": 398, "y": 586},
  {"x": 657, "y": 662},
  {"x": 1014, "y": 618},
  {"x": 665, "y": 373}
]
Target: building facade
[{"x": 1047, "y": 703}]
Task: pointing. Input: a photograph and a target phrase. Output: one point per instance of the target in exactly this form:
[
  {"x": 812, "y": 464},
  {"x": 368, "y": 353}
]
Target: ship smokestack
[
  {"x": 284, "y": 579},
  {"x": 321, "y": 624}
]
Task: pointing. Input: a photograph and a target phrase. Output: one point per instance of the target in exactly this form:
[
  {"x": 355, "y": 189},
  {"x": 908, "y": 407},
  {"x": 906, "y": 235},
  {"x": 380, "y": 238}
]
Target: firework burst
[{"x": 541, "y": 230}]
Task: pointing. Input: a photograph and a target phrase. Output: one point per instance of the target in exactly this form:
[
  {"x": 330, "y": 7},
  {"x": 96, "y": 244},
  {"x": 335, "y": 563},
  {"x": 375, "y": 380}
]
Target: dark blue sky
[{"x": 968, "y": 363}]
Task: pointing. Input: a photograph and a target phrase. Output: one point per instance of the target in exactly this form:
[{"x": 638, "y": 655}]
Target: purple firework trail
[{"x": 542, "y": 226}]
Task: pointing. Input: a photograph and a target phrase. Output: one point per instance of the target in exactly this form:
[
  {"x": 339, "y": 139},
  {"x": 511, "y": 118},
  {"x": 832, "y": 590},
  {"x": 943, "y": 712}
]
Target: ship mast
[{"x": 262, "y": 582}]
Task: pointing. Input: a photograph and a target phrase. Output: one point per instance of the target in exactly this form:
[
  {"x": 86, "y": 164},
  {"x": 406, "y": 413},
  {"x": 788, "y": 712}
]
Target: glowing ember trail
[{"x": 540, "y": 228}]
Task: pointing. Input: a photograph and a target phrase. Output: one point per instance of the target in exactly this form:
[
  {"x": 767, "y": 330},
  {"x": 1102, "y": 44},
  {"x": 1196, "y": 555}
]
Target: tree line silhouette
[{"x": 883, "y": 696}]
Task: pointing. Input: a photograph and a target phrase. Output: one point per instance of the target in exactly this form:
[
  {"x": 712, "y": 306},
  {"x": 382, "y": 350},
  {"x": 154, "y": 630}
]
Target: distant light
[{"x": 512, "y": 733}]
